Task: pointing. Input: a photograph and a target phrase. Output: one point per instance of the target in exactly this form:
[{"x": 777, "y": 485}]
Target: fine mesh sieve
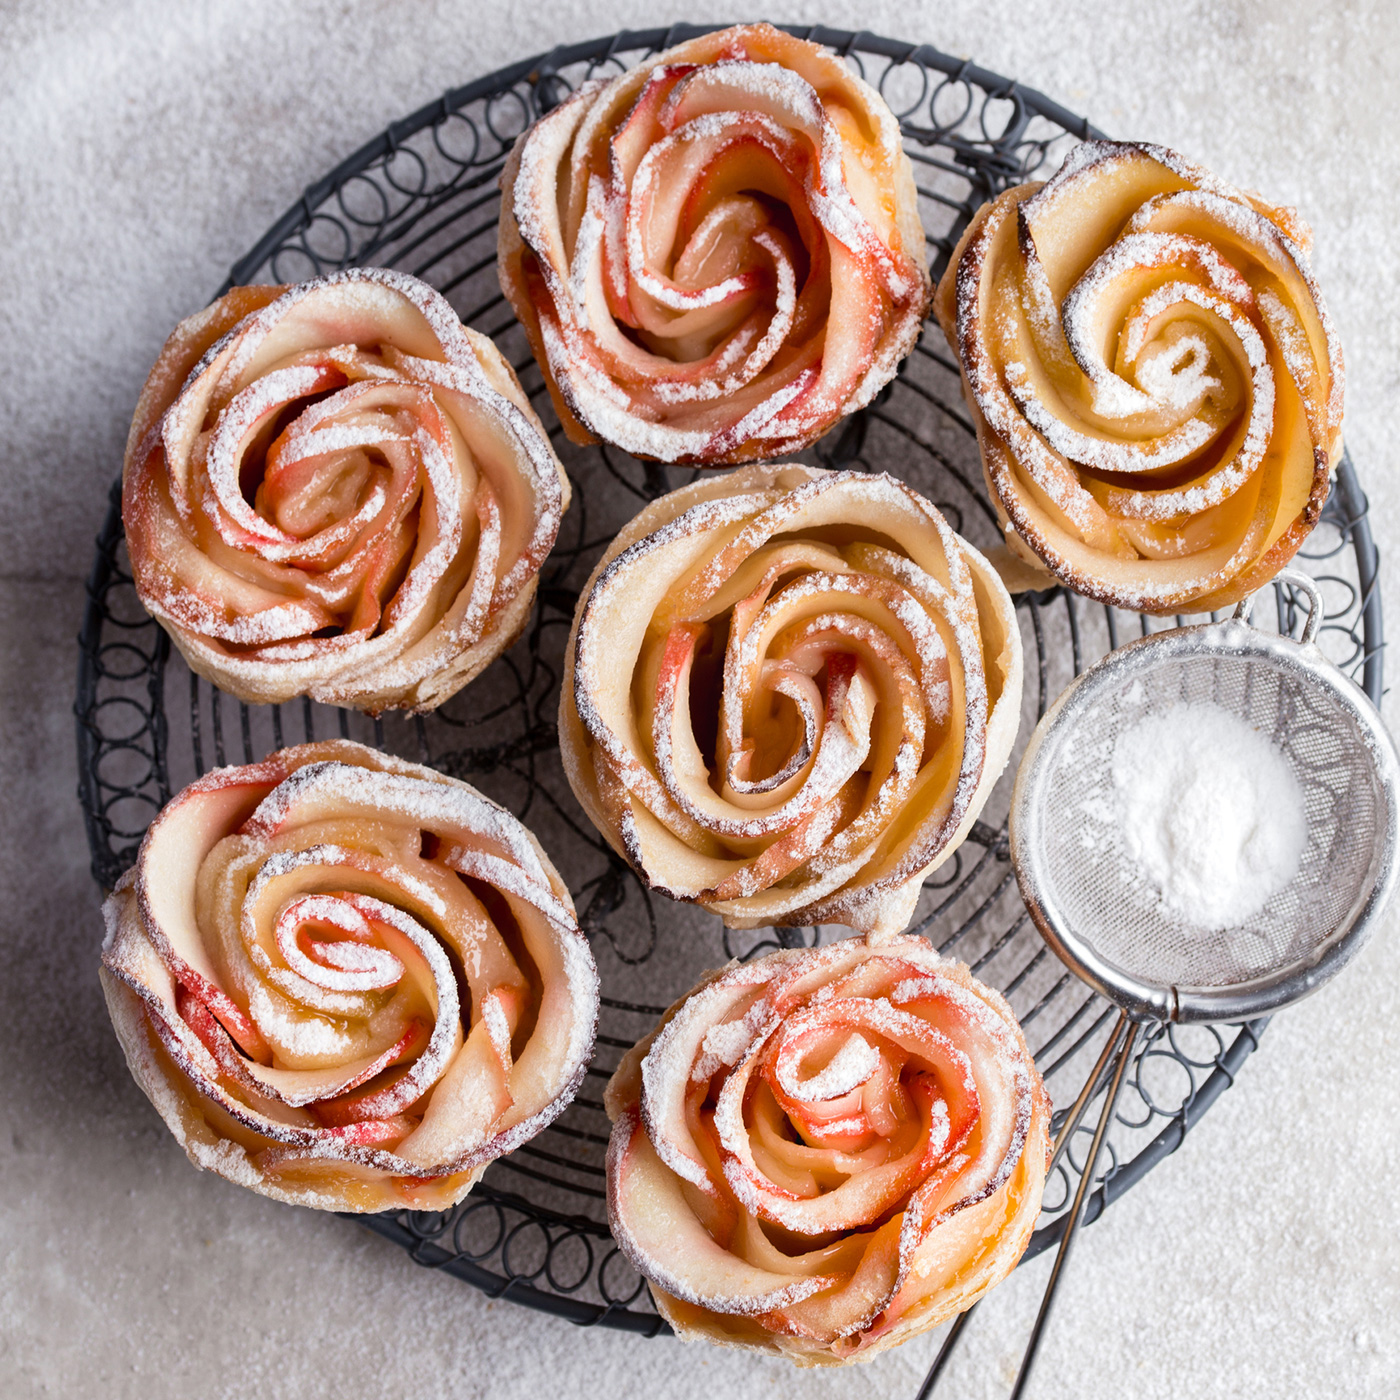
[{"x": 1109, "y": 925}]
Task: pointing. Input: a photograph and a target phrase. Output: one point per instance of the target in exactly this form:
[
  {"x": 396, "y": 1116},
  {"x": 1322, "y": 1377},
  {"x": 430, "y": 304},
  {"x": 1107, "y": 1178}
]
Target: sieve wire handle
[
  {"x": 1302, "y": 583},
  {"x": 1068, "y": 1128},
  {"x": 1077, "y": 1210}
]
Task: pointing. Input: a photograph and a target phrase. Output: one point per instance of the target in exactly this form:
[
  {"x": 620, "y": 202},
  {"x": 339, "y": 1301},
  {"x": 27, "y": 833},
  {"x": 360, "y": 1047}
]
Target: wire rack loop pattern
[{"x": 423, "y": 196}]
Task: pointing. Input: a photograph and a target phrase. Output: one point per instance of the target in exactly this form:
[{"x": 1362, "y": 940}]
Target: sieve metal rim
[{"x": 1144, "y": 999}]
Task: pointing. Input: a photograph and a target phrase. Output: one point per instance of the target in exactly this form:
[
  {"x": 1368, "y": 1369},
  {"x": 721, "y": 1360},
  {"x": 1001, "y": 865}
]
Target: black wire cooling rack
[{"x": 423, "y": 197}]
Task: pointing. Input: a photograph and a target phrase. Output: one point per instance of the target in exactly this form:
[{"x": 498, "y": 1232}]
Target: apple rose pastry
[
  {"x": 347, "y": 981},
  {"x": 788, "y": 693},
  {"x": 826, "y": 1151},
  {"x": 1156, "y": 384},
  {"x": 338, "y": 490},
  {"x": 718, "y": 254}
]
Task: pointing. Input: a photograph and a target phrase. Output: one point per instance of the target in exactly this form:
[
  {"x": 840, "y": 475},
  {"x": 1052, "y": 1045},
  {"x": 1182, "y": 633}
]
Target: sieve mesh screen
[{"x": 1114, "y": 908}]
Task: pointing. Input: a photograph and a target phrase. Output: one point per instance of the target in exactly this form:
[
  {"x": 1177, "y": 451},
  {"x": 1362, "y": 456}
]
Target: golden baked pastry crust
[
  {"x": 787, "y": 695},
  {"x": 347, "y": 981},
  {"x": 717, "y": 255},
  {"x": 1155, "y": 381},
  {"x": 827, "y": 1151},
  {"x": 338, "y": 490}
]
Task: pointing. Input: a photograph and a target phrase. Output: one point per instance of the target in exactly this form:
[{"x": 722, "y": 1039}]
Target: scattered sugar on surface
[{"x": 1210, "y": 811}]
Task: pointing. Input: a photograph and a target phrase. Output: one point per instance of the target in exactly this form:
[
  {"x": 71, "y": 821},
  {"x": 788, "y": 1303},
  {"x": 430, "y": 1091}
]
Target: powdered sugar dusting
[
  {"x": 950, "y": 1047},
  {"x": 1168, "y": 398},
  {"x": 289, "y": 620},
  {"x": 847, "y": 1069},
  {"x": 346, "y": 1084},
  {"x": 784, "y": 844},
  {"x": 680, "y": 124}
]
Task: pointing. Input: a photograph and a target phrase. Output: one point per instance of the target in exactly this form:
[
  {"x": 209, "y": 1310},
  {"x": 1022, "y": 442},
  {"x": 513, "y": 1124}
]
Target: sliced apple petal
[
  {"x": 282, "y": 966},
  {"x": 649, "y": 1220}
]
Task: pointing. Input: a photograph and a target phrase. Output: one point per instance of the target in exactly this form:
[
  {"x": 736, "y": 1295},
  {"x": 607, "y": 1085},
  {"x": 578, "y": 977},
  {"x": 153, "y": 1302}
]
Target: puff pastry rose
[
  {"x": 1156, "y": 383},
  {"x": 347, "y": 981},
  {"x": 338, "y": 490},
  {"x": 718, "y": 254},
  {"x": 826, "y": 1151},
  {"x": 788, "y": 693}
]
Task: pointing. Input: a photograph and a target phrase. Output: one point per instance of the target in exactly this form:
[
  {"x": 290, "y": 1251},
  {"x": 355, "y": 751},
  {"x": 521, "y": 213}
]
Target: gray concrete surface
[{"x": 143, "y": 147}]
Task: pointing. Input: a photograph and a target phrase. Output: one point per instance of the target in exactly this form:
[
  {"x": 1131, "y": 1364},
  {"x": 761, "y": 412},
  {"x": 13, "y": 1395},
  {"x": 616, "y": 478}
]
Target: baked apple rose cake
[
  {"x": 1156, "y": 383},
  {"x": 788, "y": 693},
  {"x": 347, "y": 981},
  {"x": 826, "y": 1151},
  {"x": 338, "y": 490},
  {"x": 717, "y": 255}
]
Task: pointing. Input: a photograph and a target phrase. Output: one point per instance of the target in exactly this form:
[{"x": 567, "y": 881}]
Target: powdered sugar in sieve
[
  {"x": 1276, "y": 725},
  {"x": 1094, "y": 857}
]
